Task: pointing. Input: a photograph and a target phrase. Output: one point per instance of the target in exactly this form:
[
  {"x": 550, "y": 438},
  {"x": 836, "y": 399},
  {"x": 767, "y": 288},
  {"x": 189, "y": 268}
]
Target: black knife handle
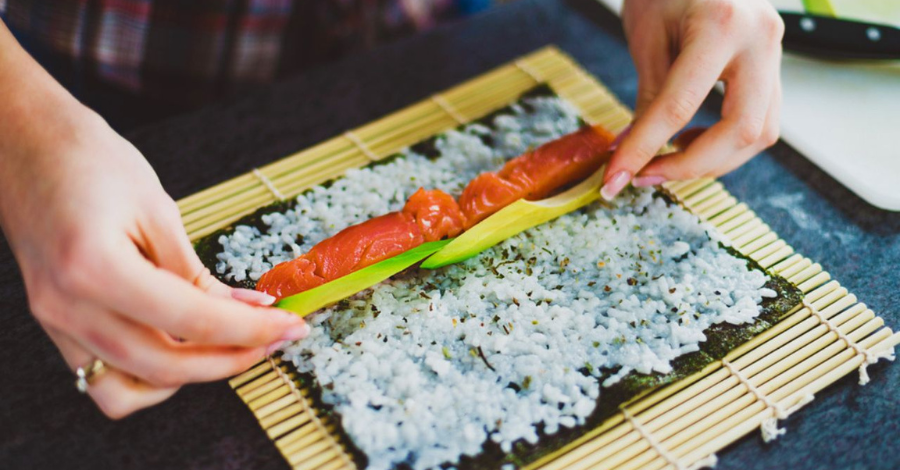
[{"x": 839, "y": 39}]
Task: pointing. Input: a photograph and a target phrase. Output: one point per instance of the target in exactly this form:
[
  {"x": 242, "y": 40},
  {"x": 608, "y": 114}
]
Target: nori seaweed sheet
[{"x": 721, "y": 338}]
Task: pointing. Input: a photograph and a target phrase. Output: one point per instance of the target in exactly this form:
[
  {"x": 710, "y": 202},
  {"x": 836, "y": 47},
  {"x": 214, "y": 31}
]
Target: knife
[{"x": 830, "y": 37}]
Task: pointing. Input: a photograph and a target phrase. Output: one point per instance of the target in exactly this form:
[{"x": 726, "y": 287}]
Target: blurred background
[{"x": 139, "y": 61}]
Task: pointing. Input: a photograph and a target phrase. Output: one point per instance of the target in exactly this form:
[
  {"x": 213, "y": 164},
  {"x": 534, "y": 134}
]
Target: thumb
[{"x": 167, "y": 245}]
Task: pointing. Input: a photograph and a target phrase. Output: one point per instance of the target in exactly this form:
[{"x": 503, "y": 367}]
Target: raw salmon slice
[
  {"x": 290, "y": 277},
  {"x": 427, "y": 216},
  {"x": 436, "y": 213},
  {"x": 364, "y": 244},
  {"x": 486, "y": 194},
  {"x": 537, "y": 174}
]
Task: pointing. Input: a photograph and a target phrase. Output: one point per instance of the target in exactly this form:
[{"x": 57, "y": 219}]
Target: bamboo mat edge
[{"x": 679, "y": 426}]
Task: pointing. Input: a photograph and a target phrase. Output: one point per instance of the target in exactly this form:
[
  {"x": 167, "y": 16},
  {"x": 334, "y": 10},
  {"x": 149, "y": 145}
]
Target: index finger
[
  {"x": 161, "y": 299},
  {"x": 690, "y": 80}
]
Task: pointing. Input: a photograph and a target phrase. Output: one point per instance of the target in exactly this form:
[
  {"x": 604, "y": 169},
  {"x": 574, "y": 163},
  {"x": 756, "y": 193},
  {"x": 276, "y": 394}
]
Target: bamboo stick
[
  {"x": 692, "y": 186},
  {"x": 714, "y": 188},
  {"x": 259, "y": 382},
  {"x": 286, "y": 408},
  {"x": 300, "y": 160},
  {"x": 805, "y": 274},
  {"x": 399, "y": 135},
  {"x": 776, "y": 256},
  {"x": 740, "y": 218},
  {"x": 424, "y": 110},
  {"x": 715, "y": 205},
  {"x": 749, "y": 232},
  {"x": 287, "y": 441},
  {"x": 760, "y": 243},
  {"x": 700, "y": 206},
  {"x": 306, "y": 436},
  {"x": 333, "y": 464},
  {"x": 505, "y": 91},
  {"x": 226, "y": 188},
  {"x": 791, "y": 266},
  {"x": 675, "y": 186},
  {"x": 268, "y": 397},
  {"x": 309, "y": 455},
  {"x": 250, "y": 374},
  {"x": 295, "y": 422}
]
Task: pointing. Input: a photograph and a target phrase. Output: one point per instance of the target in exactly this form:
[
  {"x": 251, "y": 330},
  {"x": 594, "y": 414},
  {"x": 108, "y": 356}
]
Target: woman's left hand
[{"x": 681, "y": 48}]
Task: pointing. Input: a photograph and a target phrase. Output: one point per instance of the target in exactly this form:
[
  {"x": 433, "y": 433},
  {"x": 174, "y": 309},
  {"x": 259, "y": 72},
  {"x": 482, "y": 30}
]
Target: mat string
[
  {"x": 268, "y": 184},
  {"x": 709, "y": 461},
  {"x": 445, "y": 105},
  {"x": 528, "y": 70},
  {"x": 769, "y": 427},
  {"x": 868, "y": 356},
  {"x": 361, "y": 145},
  {"x": 312, "y": 415}
]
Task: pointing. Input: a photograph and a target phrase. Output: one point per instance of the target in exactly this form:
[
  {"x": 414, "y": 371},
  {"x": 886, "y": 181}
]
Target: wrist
[
  {"x": 41, "y": 119},
  {"x": 38, "y": 114}
]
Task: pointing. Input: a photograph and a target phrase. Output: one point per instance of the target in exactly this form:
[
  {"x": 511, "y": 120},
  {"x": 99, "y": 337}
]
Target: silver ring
[{"x": 87, "y": 374}]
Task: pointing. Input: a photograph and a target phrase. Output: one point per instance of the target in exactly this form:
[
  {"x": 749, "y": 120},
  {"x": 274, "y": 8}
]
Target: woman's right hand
[
  {"x": 109, "y": 270},
  {"x": 681, "y": 48}
]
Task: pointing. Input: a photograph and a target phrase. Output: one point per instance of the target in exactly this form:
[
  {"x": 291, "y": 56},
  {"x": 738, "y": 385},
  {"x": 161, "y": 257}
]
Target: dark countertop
[{"x": 45, "y": 423}]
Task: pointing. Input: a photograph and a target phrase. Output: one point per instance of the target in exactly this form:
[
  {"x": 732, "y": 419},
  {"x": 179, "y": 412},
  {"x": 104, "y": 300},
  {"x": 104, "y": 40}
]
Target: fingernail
[
  {"x": 645, "y": 181},
  {"x": 296, "y": 332},
  {"x": 274, "y": 347},
  {"x": 622, "y": 135},
  {"x": 252, "y": 297},
  {"x": 615, "y": 185}
]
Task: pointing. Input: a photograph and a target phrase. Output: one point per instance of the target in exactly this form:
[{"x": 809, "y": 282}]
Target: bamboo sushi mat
[{"x": 679, "y": 426}]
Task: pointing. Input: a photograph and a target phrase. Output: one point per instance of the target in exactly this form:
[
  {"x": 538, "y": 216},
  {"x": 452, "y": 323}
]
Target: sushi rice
[{"x": 429, "y": 366}]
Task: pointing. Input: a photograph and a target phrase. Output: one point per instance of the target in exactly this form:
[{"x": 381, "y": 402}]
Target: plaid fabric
[{"x": 146, "y": 44}]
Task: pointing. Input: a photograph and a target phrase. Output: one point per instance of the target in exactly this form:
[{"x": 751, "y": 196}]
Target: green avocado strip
[
  {"x": 339, "y": 289},
  {"x": 515, "y": 218}
]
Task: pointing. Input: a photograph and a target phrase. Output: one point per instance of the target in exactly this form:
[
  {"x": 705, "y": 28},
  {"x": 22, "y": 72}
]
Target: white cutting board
[{"x": 845, "y": 118}]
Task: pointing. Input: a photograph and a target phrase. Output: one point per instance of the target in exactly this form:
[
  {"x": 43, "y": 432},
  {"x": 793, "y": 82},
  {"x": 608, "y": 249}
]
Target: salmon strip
[
  {"x": 436, "y": 213},
  {"x": 537, "y": 174},
  {"x": 427, "y": 216},
  {"x": 289, "y": 278},
  {"x": 431, "y": 215}
]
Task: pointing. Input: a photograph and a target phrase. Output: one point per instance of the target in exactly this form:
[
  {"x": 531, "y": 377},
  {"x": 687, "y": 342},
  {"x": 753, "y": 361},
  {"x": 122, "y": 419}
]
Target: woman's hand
[
  {"x": 108, "y": 267},
  {"x": 681, "y": 48},
  {"x": 111, "y": 274}
]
